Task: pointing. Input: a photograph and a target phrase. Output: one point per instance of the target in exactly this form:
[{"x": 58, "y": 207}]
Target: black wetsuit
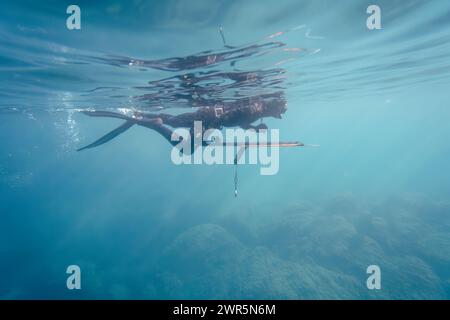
[{"x": 240, "y": 113}]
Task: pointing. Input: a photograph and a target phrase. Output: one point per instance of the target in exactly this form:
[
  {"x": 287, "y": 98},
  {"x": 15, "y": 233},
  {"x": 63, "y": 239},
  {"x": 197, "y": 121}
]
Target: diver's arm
[{"x": 261, "y": 126}]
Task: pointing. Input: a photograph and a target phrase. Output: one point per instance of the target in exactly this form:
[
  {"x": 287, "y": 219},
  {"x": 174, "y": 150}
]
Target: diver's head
[{"x": 275, "y": 107}]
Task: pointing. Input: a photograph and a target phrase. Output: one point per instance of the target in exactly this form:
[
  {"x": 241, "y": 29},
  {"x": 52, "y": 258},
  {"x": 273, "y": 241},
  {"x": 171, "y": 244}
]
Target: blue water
[{"x": 376, "y": 192}]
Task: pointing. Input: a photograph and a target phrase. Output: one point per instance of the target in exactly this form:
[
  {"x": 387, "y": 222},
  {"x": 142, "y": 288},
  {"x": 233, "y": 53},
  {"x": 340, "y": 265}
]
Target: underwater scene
[{"x": 101, "y": 193}]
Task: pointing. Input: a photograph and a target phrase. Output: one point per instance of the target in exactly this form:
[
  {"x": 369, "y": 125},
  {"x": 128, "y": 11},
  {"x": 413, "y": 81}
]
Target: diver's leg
[
  {"x": 167, "y": 133},
  {"x": 184, "y": 120},
  {"x": 157, "y": 125},
  {"x": 168, "y": 119},
  {"x": 135, "y": 115}
]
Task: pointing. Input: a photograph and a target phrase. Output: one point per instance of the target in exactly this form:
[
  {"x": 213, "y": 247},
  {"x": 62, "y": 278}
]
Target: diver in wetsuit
[{"x": 240, "y": 113}]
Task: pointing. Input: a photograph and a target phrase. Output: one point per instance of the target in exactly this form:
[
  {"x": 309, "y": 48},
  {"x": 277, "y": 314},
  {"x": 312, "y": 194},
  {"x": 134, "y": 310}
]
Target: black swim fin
[
  {"x": 109, "y": 114},
  {"x": 109, "y": 136}
]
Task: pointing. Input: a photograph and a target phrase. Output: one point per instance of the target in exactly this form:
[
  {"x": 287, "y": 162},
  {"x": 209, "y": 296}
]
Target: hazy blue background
[{"x": 376, "y": 192}]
